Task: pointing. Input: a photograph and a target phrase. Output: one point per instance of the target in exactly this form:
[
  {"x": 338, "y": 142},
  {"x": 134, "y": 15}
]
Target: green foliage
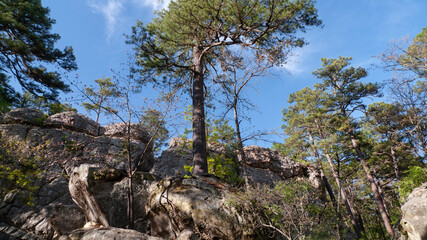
[
  {"x": 225, "y": 168},
  {"x": 166, "y": 44},
  {"x": 188, "y": 170},
  {"x": 415, "y": 177},
  {"x": 27, "y": 48},
  {"x": 222, "y": 167},
  {"x": 220, "y": 132},
  {"x": 414, "y": 58},
  {"x": 19, "y": 169},
  {"x": 100, "y": 97},
  {"x": 156, "y": 126},
  {"x": 289, "y": 210},
  {"x": 7, "y": 94},
  {"x": 28, "y": 100}
]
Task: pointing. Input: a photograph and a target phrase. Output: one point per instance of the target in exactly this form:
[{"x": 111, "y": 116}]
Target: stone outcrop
[
  {"x": 23, "y": 116},
  {"x": 414, "y": 214},
  {"x": 73, "y": 121},
  {"x": 65, "y": 141},
  {"x": 75, "y": 142},
  {"x": 264, "y": 165},
  {"x": 102, "y": 195},
  {"x": 182, "y": 206},
  {"x": 107, "y": 234},
  {"x": 84, "y": 185}
]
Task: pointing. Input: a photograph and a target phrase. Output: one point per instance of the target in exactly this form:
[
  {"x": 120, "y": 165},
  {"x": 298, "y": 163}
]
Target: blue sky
[{"x": 361, "y": 29}]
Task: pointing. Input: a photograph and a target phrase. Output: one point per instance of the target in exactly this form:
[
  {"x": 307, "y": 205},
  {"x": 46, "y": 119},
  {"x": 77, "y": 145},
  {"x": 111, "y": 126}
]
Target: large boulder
[
  {"x": 414, "y": 214},
  {"x": 107, "y": 234},
  {"x": 198, "y": 205},
  {"x": 102, "y": 194},
  {"x": 172, "y": 160},
  {"x": 51, "y": 205},
  {"x": 264, "y": 166},
  {"x": 136, "y": 131},
  {"x": 59, "y": 149},
  {"x": 23, "y": 116},
  {"x": 73, "y": 121}
]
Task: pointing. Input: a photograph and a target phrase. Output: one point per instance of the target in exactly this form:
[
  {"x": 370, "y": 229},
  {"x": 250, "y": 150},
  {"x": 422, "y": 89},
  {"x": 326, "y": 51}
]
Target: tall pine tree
[
  {"x": 27, "y": 48},
  {"x": 346, "y": 94},
  {"x": 183, "y": 42}
]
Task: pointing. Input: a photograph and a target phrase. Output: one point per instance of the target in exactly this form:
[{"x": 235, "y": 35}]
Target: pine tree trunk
[
  {"x": 378, "y": 198},
  {"x": 200, "y": 165},
  {"x": 130, "y": 207},
  {"x": 395, "y": 163},
  {"x": 344, "y": 196},
  {"x": 240, "y": 151},
  {"x": 319, "y": 165},
  {"x": 348, "y": 207}
]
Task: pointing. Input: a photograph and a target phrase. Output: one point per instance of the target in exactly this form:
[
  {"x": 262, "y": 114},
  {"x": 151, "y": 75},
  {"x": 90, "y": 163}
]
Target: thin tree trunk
[
  {"x": 200, "y": 165},
  {"x": 344, "y": 196},
  {"x": 319, "y": 165},
  {"x": 395, "y": 163},
  {"x": 348, "y": 207},
  {"x": 130, "y": 206},
  {"x": 378, "y": 198},
  {"x": 240, "y": 151}
]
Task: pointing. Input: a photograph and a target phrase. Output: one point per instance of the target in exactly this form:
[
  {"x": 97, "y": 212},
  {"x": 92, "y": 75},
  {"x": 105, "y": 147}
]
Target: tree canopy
[
  {"x": 27, "y": 48},
  {"x": 182, "y": 44}
]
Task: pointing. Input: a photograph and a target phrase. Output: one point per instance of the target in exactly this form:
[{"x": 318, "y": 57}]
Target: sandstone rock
[
  {"x": 40, "y": 220},
  {"x": 15, "y": 132},
  {"x": 74, "y": 148},
  {"x": 107, "y": 234},
  {"x": 73, "y": 121},
  {"x": 197, "y": 204},
  {"x": 28, "y": 116},
  {"x": 414, "y": 214},
  {"x": 60, "y": 150},
  {"x": 264, "y": 165},
  {"x": 171, "y": 162},
  {"x": 265, "y": 158},
  {"x": 79, "y": 190},
  {"x": 102, "y": 194},
  {"x": 137, "y": 132},
  {"x": 64, "y": 219}
]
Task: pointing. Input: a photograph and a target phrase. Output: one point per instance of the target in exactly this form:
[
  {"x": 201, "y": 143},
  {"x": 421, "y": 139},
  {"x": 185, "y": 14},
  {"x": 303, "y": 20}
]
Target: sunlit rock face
[
  {"x": 264, "y": 166},
  {"x": 64, "y": 142},
  {"x": 414, "y": 214},
  {"x": 197, "y": 204},
  {"x": 84, "y": 184}
]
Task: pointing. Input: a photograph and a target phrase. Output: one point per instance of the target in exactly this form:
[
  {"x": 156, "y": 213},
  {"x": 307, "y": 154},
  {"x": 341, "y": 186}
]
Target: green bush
[
  {"x": 19, "y": 169},
  {"x": 414, "y": 178},
  {"x": 288, "y": 210}
]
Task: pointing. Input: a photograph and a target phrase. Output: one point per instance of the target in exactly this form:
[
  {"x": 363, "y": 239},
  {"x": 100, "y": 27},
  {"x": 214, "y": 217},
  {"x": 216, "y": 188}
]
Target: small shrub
[
  {"x": 19, "y": 169},
  {"x": 414, "y": 178},
  {"x": 289, "y": 210}
]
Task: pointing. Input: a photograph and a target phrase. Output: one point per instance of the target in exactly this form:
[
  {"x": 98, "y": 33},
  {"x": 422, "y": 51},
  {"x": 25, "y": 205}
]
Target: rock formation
[
  {"x": 83, "y": 189},
  {"x": 69, "y": 140},
  {"x": 414, "y": 214}
]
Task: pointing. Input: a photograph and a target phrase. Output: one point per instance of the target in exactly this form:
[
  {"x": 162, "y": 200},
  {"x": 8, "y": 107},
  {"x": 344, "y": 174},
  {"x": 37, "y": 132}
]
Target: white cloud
[
  {"x": 155, "y": 4},
  {"x": 111, "y": 11},
  {"x": 294, "y": 64}
]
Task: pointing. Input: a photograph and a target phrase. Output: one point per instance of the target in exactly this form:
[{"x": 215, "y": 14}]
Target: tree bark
[
  {"x": 395, "y": 163},
  {"x": 319, "y": 165},
  {"x": 200, "y": 165},
  {"x": 240, "y": 151},
  {"x": 377, "y": 195},
  {"x": 130, "y": 207},
  {"x": 348, "y": 207}
]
